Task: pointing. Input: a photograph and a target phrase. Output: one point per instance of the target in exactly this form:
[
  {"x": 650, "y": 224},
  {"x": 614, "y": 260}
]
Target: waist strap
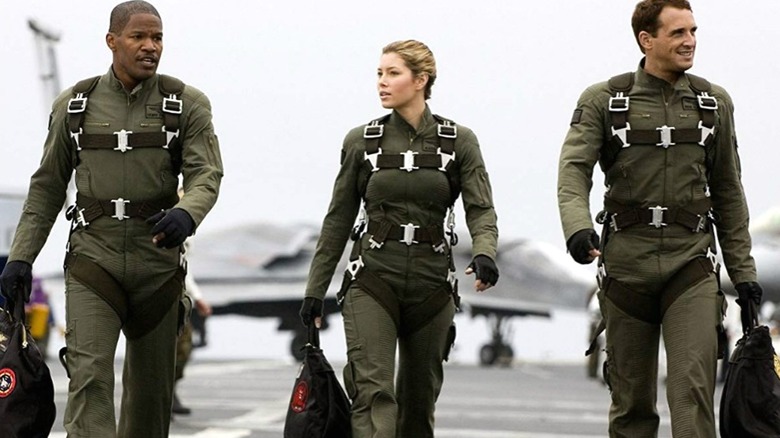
[
  {"x": 88, "y": 209},
  {"x": 408, "y": 234},
  {"x": 659, "y": 216}
]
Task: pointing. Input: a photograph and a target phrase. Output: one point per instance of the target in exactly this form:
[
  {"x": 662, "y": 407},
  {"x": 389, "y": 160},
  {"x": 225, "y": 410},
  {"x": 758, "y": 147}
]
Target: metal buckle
[
  {"x": 374, "y": 244},
  {"x": 409, "y": 233},
  {"x": 452, "y": 279},
  {"x": 371, "y": 158},
  {"x": 447, "y": 130},
  {"x": 121, "y": 141},
  {"x": 618, "y": 103},
  {"x": 445, "y": 159},
  {"x": 613, "y": 223},
  {"x": 373, "y": 130},
  {"x": 77, "y": 104},
  {"x": 621, "y": 134},
  {"x": 666, "y": 136},
  {"x": 75, "y": 137},
  {"x": 658, "y": 216},
  {"x": 440, "y": 247},
  {"x": 706, "y": 131},
  {"x": 702, "y": 223},
  {"x": 707, "y": 102},
  {"x": 119, "y": 209},
  {"x": 169, "y": 136},
  {"x": 354, "y": 266},
  {"x": 172, "y": 104},
  {"x": 76, "y": 215},
  {"x": 409, "y": 161}
]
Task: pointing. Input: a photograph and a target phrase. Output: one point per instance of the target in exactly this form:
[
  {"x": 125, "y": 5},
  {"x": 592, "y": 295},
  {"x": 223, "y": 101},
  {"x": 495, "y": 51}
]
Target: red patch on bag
[
  {"x": 300, "y": 395},
  {"x": 7, "y": 382}
]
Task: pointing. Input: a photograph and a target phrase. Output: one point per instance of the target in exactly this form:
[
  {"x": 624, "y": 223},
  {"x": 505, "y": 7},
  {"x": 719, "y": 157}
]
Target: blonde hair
[{"x": 417, "y": 57}]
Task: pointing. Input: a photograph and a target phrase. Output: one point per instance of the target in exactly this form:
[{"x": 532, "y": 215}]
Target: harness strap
[
  {"x": 649, "y": 308},
  {"x": 134, "y": 140},
  {"x": 136, "y": 322},
  {"x": 381, "y": 231},
  {"x": 694, "y": 218},
  {"x": 88, "y": 209}
]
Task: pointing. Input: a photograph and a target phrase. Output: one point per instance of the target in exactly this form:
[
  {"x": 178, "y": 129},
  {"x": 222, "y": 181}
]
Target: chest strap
[
  {"x": 694, "y": 218},
  {"x": 88, "y": 209},
  {"x": 623, "y": 136}
]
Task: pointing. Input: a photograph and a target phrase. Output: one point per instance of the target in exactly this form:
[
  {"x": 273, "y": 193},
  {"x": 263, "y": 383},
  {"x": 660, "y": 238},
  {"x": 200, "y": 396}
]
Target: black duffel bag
[
  {"x": 750, "y": 403},
  {"x": 318, "y": 408},
  {"x": 27, "y": 407}
]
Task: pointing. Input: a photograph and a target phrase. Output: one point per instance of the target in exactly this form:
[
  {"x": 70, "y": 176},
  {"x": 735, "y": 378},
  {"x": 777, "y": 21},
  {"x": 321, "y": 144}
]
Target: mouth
[
  {"x": 685, "y": 53},
  {"x": 384, "y": 94},
  {"x": 149, "y": 61}
]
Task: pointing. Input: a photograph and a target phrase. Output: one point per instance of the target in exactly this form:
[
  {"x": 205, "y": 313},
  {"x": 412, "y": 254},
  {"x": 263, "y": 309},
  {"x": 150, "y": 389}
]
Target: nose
[{"x": 149, "y": 45}]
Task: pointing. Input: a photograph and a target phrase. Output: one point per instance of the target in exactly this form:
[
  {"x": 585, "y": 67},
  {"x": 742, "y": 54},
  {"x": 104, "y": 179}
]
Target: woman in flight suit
[{"x": 403, "y": 173}]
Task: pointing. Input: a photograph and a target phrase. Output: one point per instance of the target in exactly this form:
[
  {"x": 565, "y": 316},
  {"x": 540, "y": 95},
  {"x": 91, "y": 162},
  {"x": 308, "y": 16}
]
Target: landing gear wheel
[
  {"x": 487, "y": 355},
  {"x": 506, "y": 355}
]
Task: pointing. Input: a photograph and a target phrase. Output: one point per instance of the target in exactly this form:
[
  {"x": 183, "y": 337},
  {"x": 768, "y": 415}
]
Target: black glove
[
  {"x": 16, "y": 281},
  {"x": 747, "y": 292},
  {"x": 580, "y": 244},
  {"x": 176, "y": 224},
  {"x": 310, "y": 309},
  {"x": 485, "y": 269}
]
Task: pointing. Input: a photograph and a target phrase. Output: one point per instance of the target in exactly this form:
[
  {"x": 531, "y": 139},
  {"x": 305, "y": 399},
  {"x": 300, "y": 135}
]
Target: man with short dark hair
[
  {"x": 129, "y": 135},
  {"x": 665, "y": 140}
]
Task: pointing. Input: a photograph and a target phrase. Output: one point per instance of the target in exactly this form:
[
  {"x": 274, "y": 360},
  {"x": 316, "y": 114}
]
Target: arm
[
  {"x": 48, "y": 187},
  {"x": 338, "y": 222},
  {"x": 201, "y": 159},
  {"x": 728, "y": 197},
  {"x": 477, "y": 196}
]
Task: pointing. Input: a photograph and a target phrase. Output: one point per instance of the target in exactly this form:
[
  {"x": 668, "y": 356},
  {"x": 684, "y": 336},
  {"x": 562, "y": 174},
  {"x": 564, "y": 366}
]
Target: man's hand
[
  {"x": 16, "y": 281},
  {"x": 311, "y": 311},
  {"x": 583, "y": 246},
  {"x": 171, "y": 228},
  {"x": 203, "y": 307},
  {"x": 485, "y": 271}
]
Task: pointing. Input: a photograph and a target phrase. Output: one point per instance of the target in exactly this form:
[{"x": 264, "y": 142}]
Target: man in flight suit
[
  {"x": 128, "y": 142},
  {"x": 666, "y": 143}
]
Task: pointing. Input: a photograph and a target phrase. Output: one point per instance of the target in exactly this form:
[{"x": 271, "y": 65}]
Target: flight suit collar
[
  {"x": 427, "y": 120},
  {"x": 647, "y": 80},
  {"x": 116, "y": 85}
]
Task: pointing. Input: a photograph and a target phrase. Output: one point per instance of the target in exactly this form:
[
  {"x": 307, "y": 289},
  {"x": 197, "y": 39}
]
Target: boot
[{"x": 179, "y": 408}]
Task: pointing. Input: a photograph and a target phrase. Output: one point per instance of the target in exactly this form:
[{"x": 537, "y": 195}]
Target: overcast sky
[{"x": 288, "y": 79}]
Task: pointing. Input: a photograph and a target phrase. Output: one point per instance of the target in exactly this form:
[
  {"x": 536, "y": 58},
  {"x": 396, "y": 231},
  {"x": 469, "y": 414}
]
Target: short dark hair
[
  {"x": 122, "y": 12},
  {"x": 646, "y": 14}
]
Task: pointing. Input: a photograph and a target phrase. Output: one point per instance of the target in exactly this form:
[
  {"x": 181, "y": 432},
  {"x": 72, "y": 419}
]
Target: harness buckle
[
  {"x": 374, "y": 244},
  {"x": 618, "y": 103},
  {"x": 409, "y": 161},
  {"x": 77, "y": 104},
  {"x": 621, "y": 134},
  {"x": 169, "y": 136},
  {"x": 446, "y": 159},
  {"x": 707, "y": 102},
  {"x": 373, "y": 130},
  {"x": 76, "y": 214},
  {"x": 172, "y": 104},
  {"x": 706, "y": 131},
  {"x": 440, "y": 247},
  {"x": 75, "y": 137},
  {"x": 372, "y": 158},
  {"x": 658, "y": 216},
  {"x": 354, "y": 267},
  {"x": 121, "y": 141},
  {"x": 447, "y": 130},
  {"x": 119, "y": 209},
  {"x": 613, "y": 223},
  {"x": 701, "y": 224},
  {"x": 666, "y": 136},
  {"x": 409, "y": 231}
]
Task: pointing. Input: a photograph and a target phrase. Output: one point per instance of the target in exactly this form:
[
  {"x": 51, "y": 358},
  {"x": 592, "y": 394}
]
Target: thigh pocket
[{"x": 355, "y": 355}]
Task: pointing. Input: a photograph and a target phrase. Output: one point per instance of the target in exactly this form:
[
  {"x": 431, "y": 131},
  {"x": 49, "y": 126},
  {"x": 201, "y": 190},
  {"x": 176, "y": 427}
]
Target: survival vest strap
[
  {"x": 442, "y": 160},
  {"x": 122, "y": 140},
  {"x": 136, "y": 321},
  {"x": 623, "y": 136}
]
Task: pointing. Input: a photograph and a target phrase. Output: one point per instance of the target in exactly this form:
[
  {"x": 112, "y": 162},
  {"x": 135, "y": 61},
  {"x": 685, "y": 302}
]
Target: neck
[
  {"x": 413, "y": 112},
  {"x": 667, "y": 75}
]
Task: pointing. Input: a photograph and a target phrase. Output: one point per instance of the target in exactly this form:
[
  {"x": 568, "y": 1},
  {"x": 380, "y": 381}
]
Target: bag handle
[{"x": 314, "y": 335}]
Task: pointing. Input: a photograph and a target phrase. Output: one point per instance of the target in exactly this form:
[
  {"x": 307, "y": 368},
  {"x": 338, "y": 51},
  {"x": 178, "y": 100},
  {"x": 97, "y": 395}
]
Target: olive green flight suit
[
  {"x": 123, "y": 248},
  {"x": 380, "y": 408},
  {"x": 645, "y": 258}
]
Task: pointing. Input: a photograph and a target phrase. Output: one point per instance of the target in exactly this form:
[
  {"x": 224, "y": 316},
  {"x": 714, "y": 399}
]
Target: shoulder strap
[
  {"x": 619, "y": 86},
  {"x": 698, "y": 84},
  {"x": 172, "y": 88},
  {"x": 77, "y": 105},
  {"x": 373, "y": 133},
  {"x": 622, "y": 82}
]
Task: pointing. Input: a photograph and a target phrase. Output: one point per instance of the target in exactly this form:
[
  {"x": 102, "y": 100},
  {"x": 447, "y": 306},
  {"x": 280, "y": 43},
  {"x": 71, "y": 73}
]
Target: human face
[
  {"x": 137, "y": 49},
  {"x": 398, "y": 87},
  {"x": 670, "y": 52}
]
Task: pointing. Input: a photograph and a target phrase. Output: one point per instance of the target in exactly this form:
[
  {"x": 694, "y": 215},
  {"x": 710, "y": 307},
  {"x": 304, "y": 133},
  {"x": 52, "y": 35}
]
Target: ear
[
  {"x": 645, "y": 40},
  {"x": 420, "y": 81},
  {"x": 111, "y": 41}
]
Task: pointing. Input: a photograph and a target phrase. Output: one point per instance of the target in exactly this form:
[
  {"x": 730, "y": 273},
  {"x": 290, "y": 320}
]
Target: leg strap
[
  {"x": 137, "y": 321},
  {"x": 649, "y": 308}
]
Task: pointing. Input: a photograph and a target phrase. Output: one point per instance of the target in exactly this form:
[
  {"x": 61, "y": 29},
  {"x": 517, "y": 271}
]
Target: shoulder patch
[{"x": 576, "y": 117}]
